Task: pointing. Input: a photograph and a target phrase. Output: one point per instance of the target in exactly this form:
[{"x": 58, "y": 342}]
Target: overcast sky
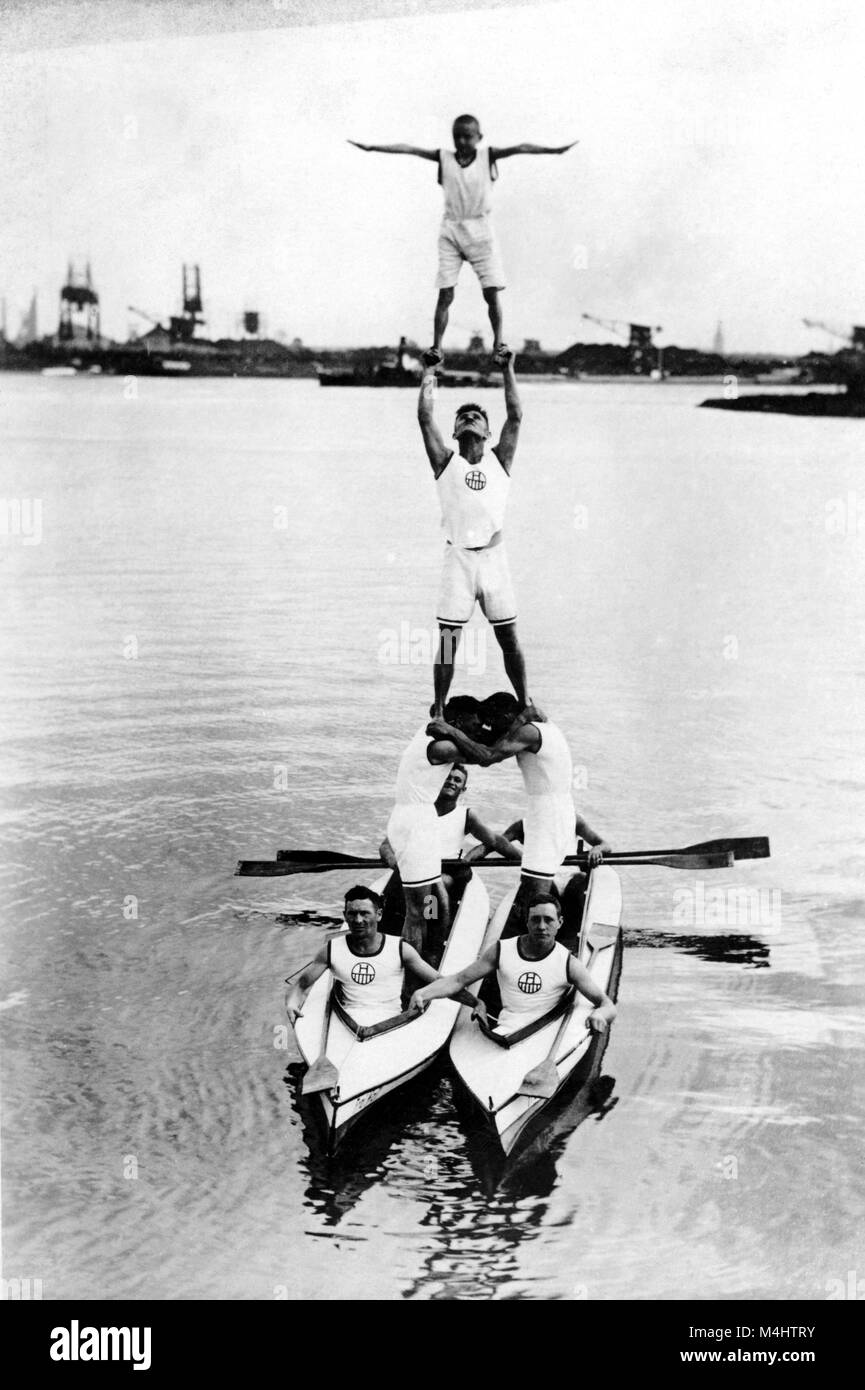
[{"x": 718, "y": 175}]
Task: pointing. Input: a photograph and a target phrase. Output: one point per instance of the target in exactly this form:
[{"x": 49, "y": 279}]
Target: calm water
[{"x": 218, "y": 648}]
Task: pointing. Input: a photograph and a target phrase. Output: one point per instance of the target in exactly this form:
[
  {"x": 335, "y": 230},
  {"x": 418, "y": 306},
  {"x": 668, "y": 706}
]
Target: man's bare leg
[
  {"x": 440, "y": 322},
  {"x": 494, "y": 309},
  {"x": 515, "y": 665},
  {"x": 443, "y": 670},
  {"x": 528, "y": 890},
  {"x": 425, "y": 904}
]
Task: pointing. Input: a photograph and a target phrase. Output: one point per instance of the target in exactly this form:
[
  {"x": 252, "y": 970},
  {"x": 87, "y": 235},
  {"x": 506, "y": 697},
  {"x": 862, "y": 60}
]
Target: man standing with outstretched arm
[
  {"x": 473, "y": 493},
  {"x": 466, "y": 175}
]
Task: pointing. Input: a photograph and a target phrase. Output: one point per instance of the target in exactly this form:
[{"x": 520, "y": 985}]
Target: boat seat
[
  {"x": 362, "y": 1031},
  {"x": 520, "y": 1034}
]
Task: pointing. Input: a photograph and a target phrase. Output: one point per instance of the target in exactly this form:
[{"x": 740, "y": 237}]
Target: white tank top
[
  {"x": 369, "y": 984},
  {"x": 531, "y": 986},
  {"x": 467, "y": 190},
  {"x": 549, "y": 772},
  {"x": 452, "y": 830},
  {"x": 473, "y": 499},
  {"x": 418, "y": 781}
]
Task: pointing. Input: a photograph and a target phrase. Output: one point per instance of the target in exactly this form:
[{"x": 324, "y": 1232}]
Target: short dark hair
[
  {"x": 502, "y": 702},
  {"x": 466, "y": 120},
  {"x": 472, "y": 406},
  {"x": 358, "y": 891},
  {"x": 460, "y": 767},
  {"x": 541, "y": 900},
  {"x": 462, "y": 704}
]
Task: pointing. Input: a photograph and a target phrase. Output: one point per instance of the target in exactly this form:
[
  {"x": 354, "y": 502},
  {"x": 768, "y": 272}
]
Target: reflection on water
[
  {"x": 734, "y": 948},
  {"x": 142, "y": 1010}
]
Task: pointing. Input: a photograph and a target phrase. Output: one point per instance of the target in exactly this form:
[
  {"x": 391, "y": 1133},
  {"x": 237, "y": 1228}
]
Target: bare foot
[
  {"x": 433, "y": 357},
  {"x": 502, "y": 355}
]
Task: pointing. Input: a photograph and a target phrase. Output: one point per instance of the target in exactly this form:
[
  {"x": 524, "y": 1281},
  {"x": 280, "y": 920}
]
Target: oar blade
[
  {"x": 322, "y": 1076},
  {"x": 317, "y": 856},
  {"x": 281, "y": 868},
  {"x": 541, "y": 1082},
  {"x": 688, "y": 861}
]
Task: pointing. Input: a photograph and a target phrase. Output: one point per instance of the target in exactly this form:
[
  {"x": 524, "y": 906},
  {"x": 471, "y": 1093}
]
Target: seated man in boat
[
  {"x": 412, "y": 829},
  {"x": 533, "y": 972},
  {"x": 455, "y": 822},
  {"x": 368, "y": 966},
  {"x": 544, "y": 760}
]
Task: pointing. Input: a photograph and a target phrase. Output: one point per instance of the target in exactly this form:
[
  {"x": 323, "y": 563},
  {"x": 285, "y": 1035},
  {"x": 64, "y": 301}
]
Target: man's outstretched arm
[
  {"x": 526, "y": 148},
  {"x": 517, "y": 740},
  {"x": 437, "y": 451},
  {"x": 452, "y": 986},
  {"x": 507, "y": 445},
  {"x": 397, "y": 149},
  {"x": 598, "y": 846},
  {"x": 490, "y": 840}
]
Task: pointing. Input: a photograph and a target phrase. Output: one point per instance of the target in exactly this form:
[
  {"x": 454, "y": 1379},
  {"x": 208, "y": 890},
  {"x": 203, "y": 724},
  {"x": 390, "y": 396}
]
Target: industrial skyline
[{"x": 716, "y": 175}]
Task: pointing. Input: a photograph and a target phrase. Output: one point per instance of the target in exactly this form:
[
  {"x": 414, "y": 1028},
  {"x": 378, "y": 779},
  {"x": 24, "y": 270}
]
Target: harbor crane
[
  {"x": 142, "y": 315},
  {"x": 852, "y": 334},
  {"x": 639, "y": 339}
]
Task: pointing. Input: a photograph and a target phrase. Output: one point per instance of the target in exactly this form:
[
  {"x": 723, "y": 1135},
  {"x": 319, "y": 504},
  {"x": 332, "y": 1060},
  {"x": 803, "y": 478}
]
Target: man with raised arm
[
  {"x": 466, "y": 175},
  {"x": 473, "y": 490}
]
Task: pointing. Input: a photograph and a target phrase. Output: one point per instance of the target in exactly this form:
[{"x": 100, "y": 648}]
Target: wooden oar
[
  {"x": 543, "y": 1080},
  {"x": 294, "y": 864},
  {"x": 321, "y": 1076},
  {"x": 743, "y": 847},
  {"x": 746, "y": 847}
]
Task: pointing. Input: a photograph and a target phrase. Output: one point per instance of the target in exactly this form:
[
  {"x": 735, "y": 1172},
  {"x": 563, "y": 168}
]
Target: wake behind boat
[
  {"x": 506, "y": 1075},
  {"x": 362, "y": 1065}
]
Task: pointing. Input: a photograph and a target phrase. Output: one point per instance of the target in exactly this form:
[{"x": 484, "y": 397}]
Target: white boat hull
[
  {"x": 492, "y": 1074},
  {"x": 371, "y": 1068}
]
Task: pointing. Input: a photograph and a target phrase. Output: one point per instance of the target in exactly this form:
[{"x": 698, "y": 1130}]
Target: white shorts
[
  {"x": 548, "y": 822},
  {"x": 414, "y": 836},
  {"x": 476, "y": 576},
  {"x": 472, "y": 240}
]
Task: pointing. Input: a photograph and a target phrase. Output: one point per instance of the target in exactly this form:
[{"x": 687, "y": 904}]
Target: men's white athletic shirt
[
  {"x": 370, "y": 985},
  {"x": 418, "y": 781},
  {"x": 473, "y": 499},
  {"x": 452, "y": 831},
  {"x": 468, "y": 188},
  {"x": 530, "y": 988},
  {"x": 549, "y": 772}
]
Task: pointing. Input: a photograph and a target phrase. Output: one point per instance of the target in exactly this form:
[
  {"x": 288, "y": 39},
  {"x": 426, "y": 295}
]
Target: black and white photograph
[{"x": 432, "y": 528}]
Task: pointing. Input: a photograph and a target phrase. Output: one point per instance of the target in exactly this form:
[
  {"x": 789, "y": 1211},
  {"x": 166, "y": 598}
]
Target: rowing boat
[
  {"x": 493, "y": 1067},
  {"x": 373, "y": 1062}
]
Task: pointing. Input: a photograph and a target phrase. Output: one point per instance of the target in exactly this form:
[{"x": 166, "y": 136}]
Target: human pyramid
[{"x": 426, "y": 824}]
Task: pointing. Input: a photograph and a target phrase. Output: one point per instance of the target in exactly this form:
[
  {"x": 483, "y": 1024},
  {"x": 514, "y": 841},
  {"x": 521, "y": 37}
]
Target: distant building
[
  {"x": 476, "y": 343},
  {"x": 532, "y": 345},
  {"x": 718, "y": 340}
]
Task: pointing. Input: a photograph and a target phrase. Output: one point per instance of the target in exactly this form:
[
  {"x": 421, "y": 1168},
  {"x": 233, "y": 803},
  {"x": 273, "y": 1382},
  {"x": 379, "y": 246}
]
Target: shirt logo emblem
[
  {"x": 476, "y": 480},
  {"x": 529, "y": 982},
  {"x": 362, "y": 973}
]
